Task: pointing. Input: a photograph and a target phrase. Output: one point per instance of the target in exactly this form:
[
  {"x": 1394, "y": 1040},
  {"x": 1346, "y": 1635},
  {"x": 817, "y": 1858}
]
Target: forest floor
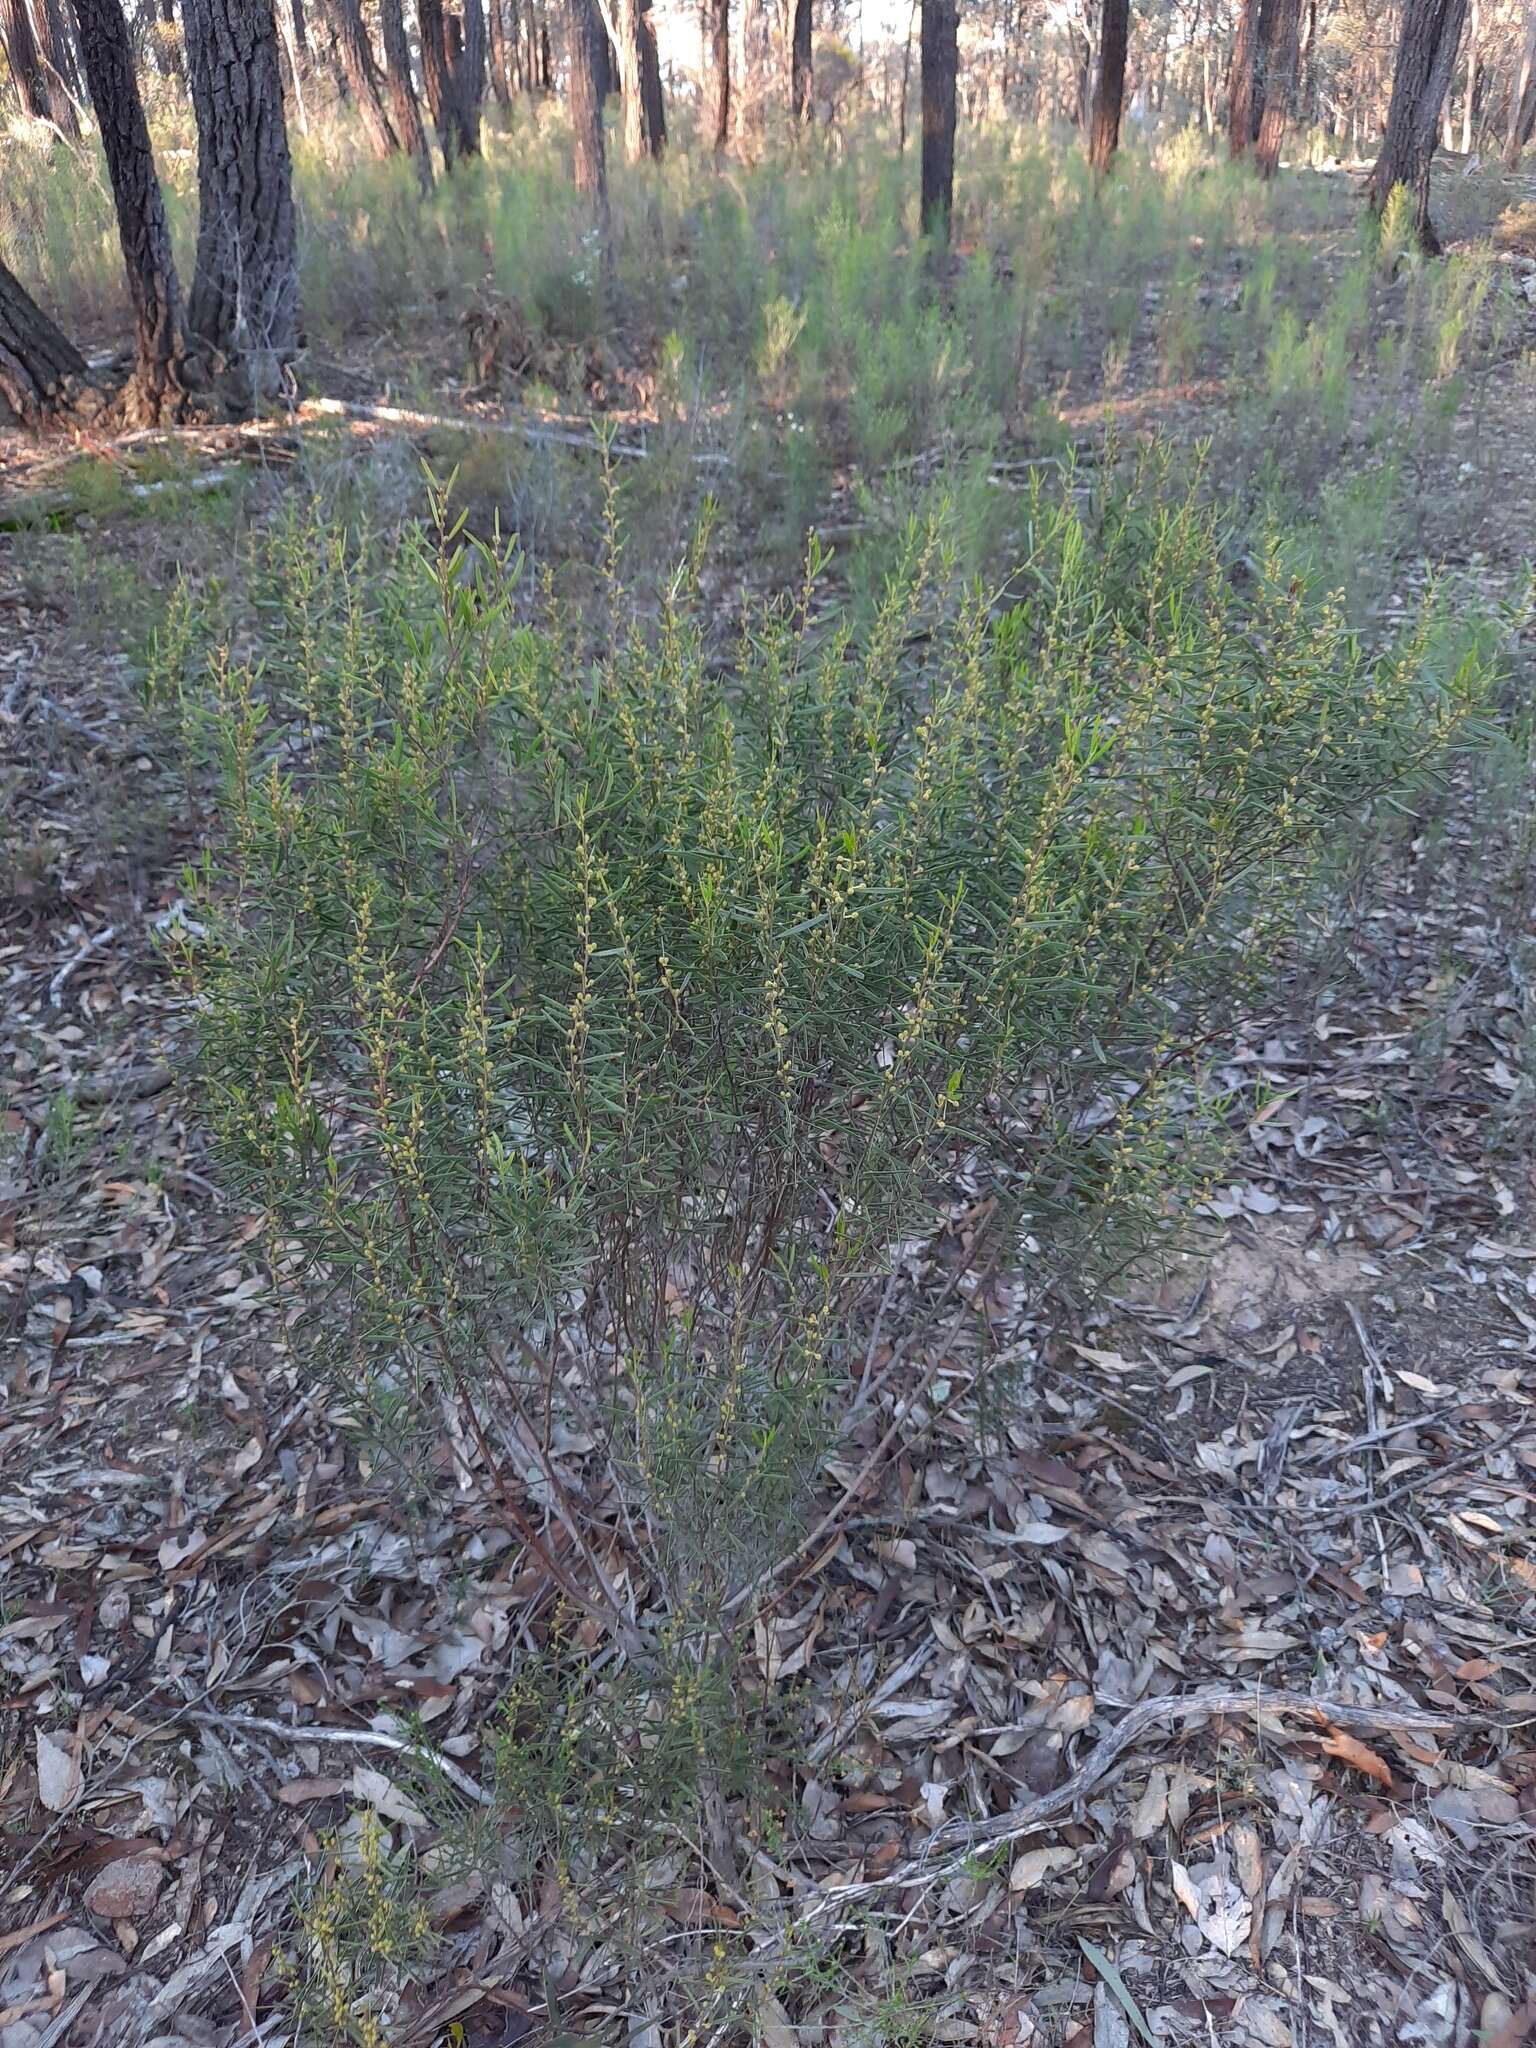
[{"x": 1301, "y": 1463}]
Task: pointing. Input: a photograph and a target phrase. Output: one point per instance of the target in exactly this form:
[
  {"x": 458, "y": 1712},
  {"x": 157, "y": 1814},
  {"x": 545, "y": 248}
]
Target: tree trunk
[
  {"x": 1468, "y": 105},
  {"x": 57, "y": 60},
  {"x": 755, "y": 71},
  {"x": 587, "y": 58},
  {"x": 653, "y": 108},
  {"x": 801, "y": 63},
  {"x": 715, "y": 21},
  {"x": 939, "y": 56},
  {"x": 627, "y": 44},
  {"x": 142, "y": 228},
  {"x": 500, "y": 68},
  {"x": 294, "y": 75},
  {"x": 1243, "y": 86},
  {"x": 245, "y": 294},
  {"x": 1281, "y": 54},
  {"x": 1522, "y": 99},
  {"x": 1306, "y": 67},
  {"x": 437, "y": 78},
  {"x": 906, "y": 80},
  {"x": 1426, "y": 58},
  {"x": 402, "y": 89},
  {"x": 26, "y": 66},
  {"x": 40, "y": 368},
  {"x": 358, "y": 62},
  {"x": 1109, "y": 89},
  {"x": 469, "y": 77}
]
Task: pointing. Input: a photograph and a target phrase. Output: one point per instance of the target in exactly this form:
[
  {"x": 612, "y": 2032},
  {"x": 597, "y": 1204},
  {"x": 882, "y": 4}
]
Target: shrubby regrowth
[{"x": 596, "y": 1018}]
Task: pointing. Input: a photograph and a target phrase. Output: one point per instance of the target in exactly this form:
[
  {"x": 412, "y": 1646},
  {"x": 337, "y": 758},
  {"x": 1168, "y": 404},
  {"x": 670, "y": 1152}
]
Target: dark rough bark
[
  {"x": 40, "y": 368},
  {"x": 1522, "y": 99},
  {"x": 1426, "y": 58},
  {"x": 402, "y": 89},
  {"x": 437, "y": 77},
  {"x": 245, "y": 293},
  {"x": 653, "y": 112},
  {"x": 107, "y": 54},
  {"x": 939, "y": 48},
  {"x": 1281, "y": 54},
  {"x": 1245, "y": 82},
  {"x": 802, "y": 84},
  {"x": 715, "y": 22},
  {"x": 1109, "y": 87},
  {"x": 469, "y": 76},
  {"x": 587, "y": 43},
  {"x": 26, "y": 66},
  {"x": 361, "y": 67},
  {"x": 58, "y": 61},
  {"x": 546, "y": 60}
]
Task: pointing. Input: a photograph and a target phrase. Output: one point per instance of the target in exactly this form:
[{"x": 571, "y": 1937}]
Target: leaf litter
[{"x": 1296, "y": 1467}]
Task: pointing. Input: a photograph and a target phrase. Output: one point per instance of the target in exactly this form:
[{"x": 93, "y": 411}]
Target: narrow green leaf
[{"x": 1117, "y": 1985}]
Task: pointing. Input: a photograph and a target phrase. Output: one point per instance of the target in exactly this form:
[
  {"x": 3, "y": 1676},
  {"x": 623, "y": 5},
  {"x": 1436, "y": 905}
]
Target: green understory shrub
[{"x": 595, "y": 1007}]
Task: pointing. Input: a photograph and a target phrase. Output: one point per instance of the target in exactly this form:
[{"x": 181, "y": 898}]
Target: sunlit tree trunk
[
  {"x": 588, "y": 56},
  {"x": 358, "y": 62},
  {"x": 26, "y": 66},
  {"x": 906, "y": 78},
  {"x": 58, "y": 61},
  {"x": 159, "y": 383},
  {"x": 1109, "y": 88},
  {"x": 402, "y": 89},
  {"x": 498, "y": 68},
  {"x": 939, "y": 56},
  {"x": 634, "y": 45},
  {"x": 1522, "y": 99},
  {"x": 1426, "y": 59},
  {"x": 245, "y": 293},
  {"x": 715, "y": 27},
  {"x": 1474, "y": 30},
  {"x": 1281, "y": 52}
]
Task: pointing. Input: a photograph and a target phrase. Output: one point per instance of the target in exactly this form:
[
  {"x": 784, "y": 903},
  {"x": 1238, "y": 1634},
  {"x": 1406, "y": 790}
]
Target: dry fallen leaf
[
  {"x": 58, "y": 1774},
  {"x": 382, "y": 1793},
  {"x": 1036, "y": 1865},
  {"x": 1151, "y": 1809},
  {"x": 690, "y": 1906},
  {"x": 1359, "y": 1758},
  {"x": 299, "y": 1791},
  {"x": 1215, "y": 1905}
]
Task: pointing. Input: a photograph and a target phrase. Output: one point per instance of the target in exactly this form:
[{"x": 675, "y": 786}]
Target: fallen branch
[
  {"x": 963, "y": 1838},
  {"x": 1341, "y": 1511},
  {"x": 56, "y": 986},
  {"x": 135, "y": 1084},
  {"x": 404, "y": 416},
  {"x": 360, "y": 1738},
  {"x": 1037, "y": 1813}
]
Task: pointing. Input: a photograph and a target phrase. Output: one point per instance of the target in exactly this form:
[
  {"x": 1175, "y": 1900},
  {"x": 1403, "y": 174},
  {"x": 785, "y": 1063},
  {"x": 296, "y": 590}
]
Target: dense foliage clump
[{"x": 597, "y": 1009}]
